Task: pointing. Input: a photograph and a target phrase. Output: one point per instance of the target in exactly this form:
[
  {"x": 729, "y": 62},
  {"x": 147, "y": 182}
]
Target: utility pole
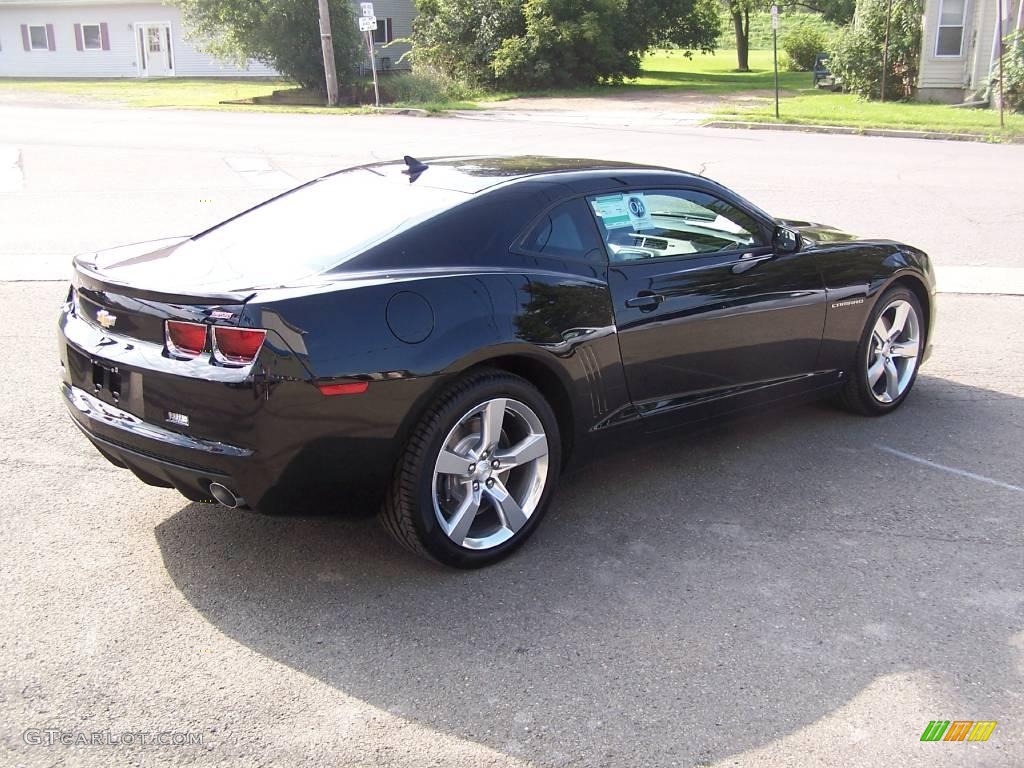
[
  {"x": 330, "y": 71},
  {"x": 885, "y": 49}
]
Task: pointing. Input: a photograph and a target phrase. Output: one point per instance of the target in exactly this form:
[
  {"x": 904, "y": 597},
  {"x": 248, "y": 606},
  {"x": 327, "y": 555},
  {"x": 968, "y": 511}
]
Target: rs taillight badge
[{"x": 106, "y": 319}]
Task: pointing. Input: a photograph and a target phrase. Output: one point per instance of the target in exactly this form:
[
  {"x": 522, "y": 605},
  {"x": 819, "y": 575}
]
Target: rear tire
[
  {"x": 477, "y": 473},
  {"x": 888, "y": 355}
]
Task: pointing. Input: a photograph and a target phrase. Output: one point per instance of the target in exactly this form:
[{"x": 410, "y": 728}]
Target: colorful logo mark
[{"x": 958, "y": 730}]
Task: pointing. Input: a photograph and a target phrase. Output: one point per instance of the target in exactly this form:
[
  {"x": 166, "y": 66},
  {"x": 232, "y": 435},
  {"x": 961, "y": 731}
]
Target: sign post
[
  {"x": 775, "y": 54},
  {"x": 367, "y": 25}
]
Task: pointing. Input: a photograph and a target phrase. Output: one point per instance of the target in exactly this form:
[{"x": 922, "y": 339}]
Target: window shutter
[
  {"x": 51, "y": 42},
  {"x": 24, "y": 37},
  {"x": 105, "y": 36},
  {"x": 78, "y": 37}
]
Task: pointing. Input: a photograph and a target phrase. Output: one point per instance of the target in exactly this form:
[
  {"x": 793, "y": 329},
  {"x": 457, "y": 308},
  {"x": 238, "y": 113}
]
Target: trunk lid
[{"x": 127, "y": 292}]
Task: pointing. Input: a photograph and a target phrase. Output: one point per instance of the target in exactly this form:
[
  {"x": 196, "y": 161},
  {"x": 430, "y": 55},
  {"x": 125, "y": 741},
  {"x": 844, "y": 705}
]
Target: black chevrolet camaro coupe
[{"x": 440, "y": 336}]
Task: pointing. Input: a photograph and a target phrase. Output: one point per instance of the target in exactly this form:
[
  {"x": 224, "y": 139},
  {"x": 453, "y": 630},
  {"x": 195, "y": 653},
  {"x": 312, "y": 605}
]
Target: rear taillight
[
  {"x": 236, "y": 346},
  {"x": 184, "y": 340}
]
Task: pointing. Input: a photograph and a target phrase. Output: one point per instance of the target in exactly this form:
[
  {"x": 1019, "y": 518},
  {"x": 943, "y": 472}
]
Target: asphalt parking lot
[{"x": 808, "y": 588}]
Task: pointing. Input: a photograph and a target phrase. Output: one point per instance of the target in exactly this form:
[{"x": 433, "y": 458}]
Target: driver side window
[{"x": 658, "y": 224}]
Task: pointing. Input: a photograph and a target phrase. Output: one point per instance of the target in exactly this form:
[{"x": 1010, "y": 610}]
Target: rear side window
[
  {"x": 309, "y": 230},
  {"x": 566, "y": 231}
]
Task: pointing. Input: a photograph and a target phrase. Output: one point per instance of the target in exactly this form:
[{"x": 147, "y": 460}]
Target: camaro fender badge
[
  {"x": 850, "y": 303},
  {"x": 106, "y": 319}
]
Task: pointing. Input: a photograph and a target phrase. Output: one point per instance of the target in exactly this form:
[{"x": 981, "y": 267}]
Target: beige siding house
[
  {"x": 139, "y": 38},
  {"x": 960, "y": 46}
]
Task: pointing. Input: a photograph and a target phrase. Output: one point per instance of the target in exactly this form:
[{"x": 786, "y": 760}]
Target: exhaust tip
[{"x": 224, "y": 496}]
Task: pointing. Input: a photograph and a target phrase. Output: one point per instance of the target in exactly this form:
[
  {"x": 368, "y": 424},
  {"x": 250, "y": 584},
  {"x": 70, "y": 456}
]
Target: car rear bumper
[
  {"x": 160, "y": 457},
  {"x": 269, "y": 436}
]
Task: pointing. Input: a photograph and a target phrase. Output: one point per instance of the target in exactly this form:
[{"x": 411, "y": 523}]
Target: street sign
[
  {"x": 367, "y": 9},
  {"x": 367, "y": 23},
  {"x": 775, "y": 17}
]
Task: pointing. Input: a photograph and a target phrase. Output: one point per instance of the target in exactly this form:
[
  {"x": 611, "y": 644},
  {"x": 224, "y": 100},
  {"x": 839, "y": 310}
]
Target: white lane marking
[
  {"x": 12, "y": 175},
  {"x": 991, "y": 280},
  {"x": 952, "y": 470},
  {"x": 259, "y": 172}
]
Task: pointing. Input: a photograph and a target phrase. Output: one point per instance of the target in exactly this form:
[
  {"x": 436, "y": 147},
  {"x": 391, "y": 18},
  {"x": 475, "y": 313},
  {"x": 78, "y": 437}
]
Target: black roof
[{"x": 475, "y": 174}]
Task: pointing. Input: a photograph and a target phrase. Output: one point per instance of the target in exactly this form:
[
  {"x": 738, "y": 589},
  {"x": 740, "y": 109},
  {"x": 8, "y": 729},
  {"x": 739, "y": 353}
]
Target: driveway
[{"x": 804, "y": 589}]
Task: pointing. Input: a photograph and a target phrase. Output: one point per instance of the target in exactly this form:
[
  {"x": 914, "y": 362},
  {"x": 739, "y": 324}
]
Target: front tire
[
  {"x": 478, "y": 472},
  {"x": 888, "y": 355}
]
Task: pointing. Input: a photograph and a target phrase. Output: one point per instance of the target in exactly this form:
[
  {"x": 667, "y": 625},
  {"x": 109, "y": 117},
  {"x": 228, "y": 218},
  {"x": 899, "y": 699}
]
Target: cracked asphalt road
[{"x": 774, "y": 592}]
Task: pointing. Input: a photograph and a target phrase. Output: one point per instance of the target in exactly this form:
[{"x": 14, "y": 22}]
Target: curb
[
  {"x": 409, "y": 111},
  {"x": 891, "y": 133}
]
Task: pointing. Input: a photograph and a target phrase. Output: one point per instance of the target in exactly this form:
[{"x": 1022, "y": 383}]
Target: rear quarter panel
[{"x": 410, "y": 335}]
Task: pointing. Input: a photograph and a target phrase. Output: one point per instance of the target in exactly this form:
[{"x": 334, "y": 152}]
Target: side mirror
[{"x": 786, "y": 240}]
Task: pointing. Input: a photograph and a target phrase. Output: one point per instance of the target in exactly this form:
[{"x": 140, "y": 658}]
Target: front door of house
[{"x": 155, "y": 50}]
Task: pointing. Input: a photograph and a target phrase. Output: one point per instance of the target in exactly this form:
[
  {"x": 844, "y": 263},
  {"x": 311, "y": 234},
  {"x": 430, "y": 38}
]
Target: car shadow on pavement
[{"x": 683, "y": 602}]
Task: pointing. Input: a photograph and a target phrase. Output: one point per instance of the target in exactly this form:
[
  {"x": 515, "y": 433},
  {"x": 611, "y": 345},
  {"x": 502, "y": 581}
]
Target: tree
[
  {"x": 537, "y": 43},
  {"x": 837, "y": 11},
  {"x": 284, "y": 34},
  {"x": 740, "y": 12},
  {"x": 1013, "y": 73},
  {"x": 855, "y": 55}
]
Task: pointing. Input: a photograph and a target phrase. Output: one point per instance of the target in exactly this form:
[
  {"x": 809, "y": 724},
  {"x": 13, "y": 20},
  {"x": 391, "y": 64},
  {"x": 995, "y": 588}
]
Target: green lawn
[
  {"x": 824, "y": 108},
  {"x": 715, "y": 73},
  {"x": 711, "y": 76},
  {"x": 193, "y": 93},
  {"x": 169, "y": 92},
  {"x": 802, "y": 104},
  {"x": 706, "y": 74}
]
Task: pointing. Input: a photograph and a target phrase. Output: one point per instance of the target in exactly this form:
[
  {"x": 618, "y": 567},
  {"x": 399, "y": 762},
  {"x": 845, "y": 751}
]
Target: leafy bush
[
  {"x": 855, "y": 55},
  {"x": 1013, "y": 73},
  {"x": 461, "y": 37},
  {"x": 425, "y": 85},
  {"x": 285, "y": 34},
  {"x": 566, "y": 42},
  {"x": 803, "y": 44},
  {"x": 540, "y": 43}
]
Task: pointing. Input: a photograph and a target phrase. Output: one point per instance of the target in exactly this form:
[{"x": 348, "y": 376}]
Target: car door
[{"x": 710, "y": 317}]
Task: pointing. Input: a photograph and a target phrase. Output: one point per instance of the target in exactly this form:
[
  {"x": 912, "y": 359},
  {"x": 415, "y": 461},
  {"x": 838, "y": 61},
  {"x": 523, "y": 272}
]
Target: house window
[
  {"x": 38, "y": 39},
  {"x": 950, "y": 38},
  {"x": 92, "y": 40},
  {"x": 383, "y": 32}
]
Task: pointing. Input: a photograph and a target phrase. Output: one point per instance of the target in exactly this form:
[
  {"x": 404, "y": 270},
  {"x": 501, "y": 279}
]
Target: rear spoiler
[{"x": 86, "y": 276}]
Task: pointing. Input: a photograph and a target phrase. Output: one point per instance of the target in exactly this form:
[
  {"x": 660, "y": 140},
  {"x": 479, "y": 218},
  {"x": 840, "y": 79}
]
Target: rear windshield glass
[{"x": 307, "y": 231}]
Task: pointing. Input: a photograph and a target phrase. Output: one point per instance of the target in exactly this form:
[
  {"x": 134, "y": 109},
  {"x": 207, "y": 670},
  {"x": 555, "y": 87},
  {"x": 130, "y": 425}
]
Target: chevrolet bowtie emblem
[{"x": 106, "y": 319}]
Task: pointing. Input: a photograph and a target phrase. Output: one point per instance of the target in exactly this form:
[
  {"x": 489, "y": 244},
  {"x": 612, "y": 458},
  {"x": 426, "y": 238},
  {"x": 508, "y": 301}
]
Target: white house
[
  {"x": 960, "y": 46},
  {"x": 136, "y": 38}
]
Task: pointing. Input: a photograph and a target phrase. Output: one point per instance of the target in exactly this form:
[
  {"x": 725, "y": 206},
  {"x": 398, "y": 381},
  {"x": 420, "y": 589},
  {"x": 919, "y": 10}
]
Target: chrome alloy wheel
[
  {"x": 893, "y": 351},
  {"x": 490, "y": 474}
]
